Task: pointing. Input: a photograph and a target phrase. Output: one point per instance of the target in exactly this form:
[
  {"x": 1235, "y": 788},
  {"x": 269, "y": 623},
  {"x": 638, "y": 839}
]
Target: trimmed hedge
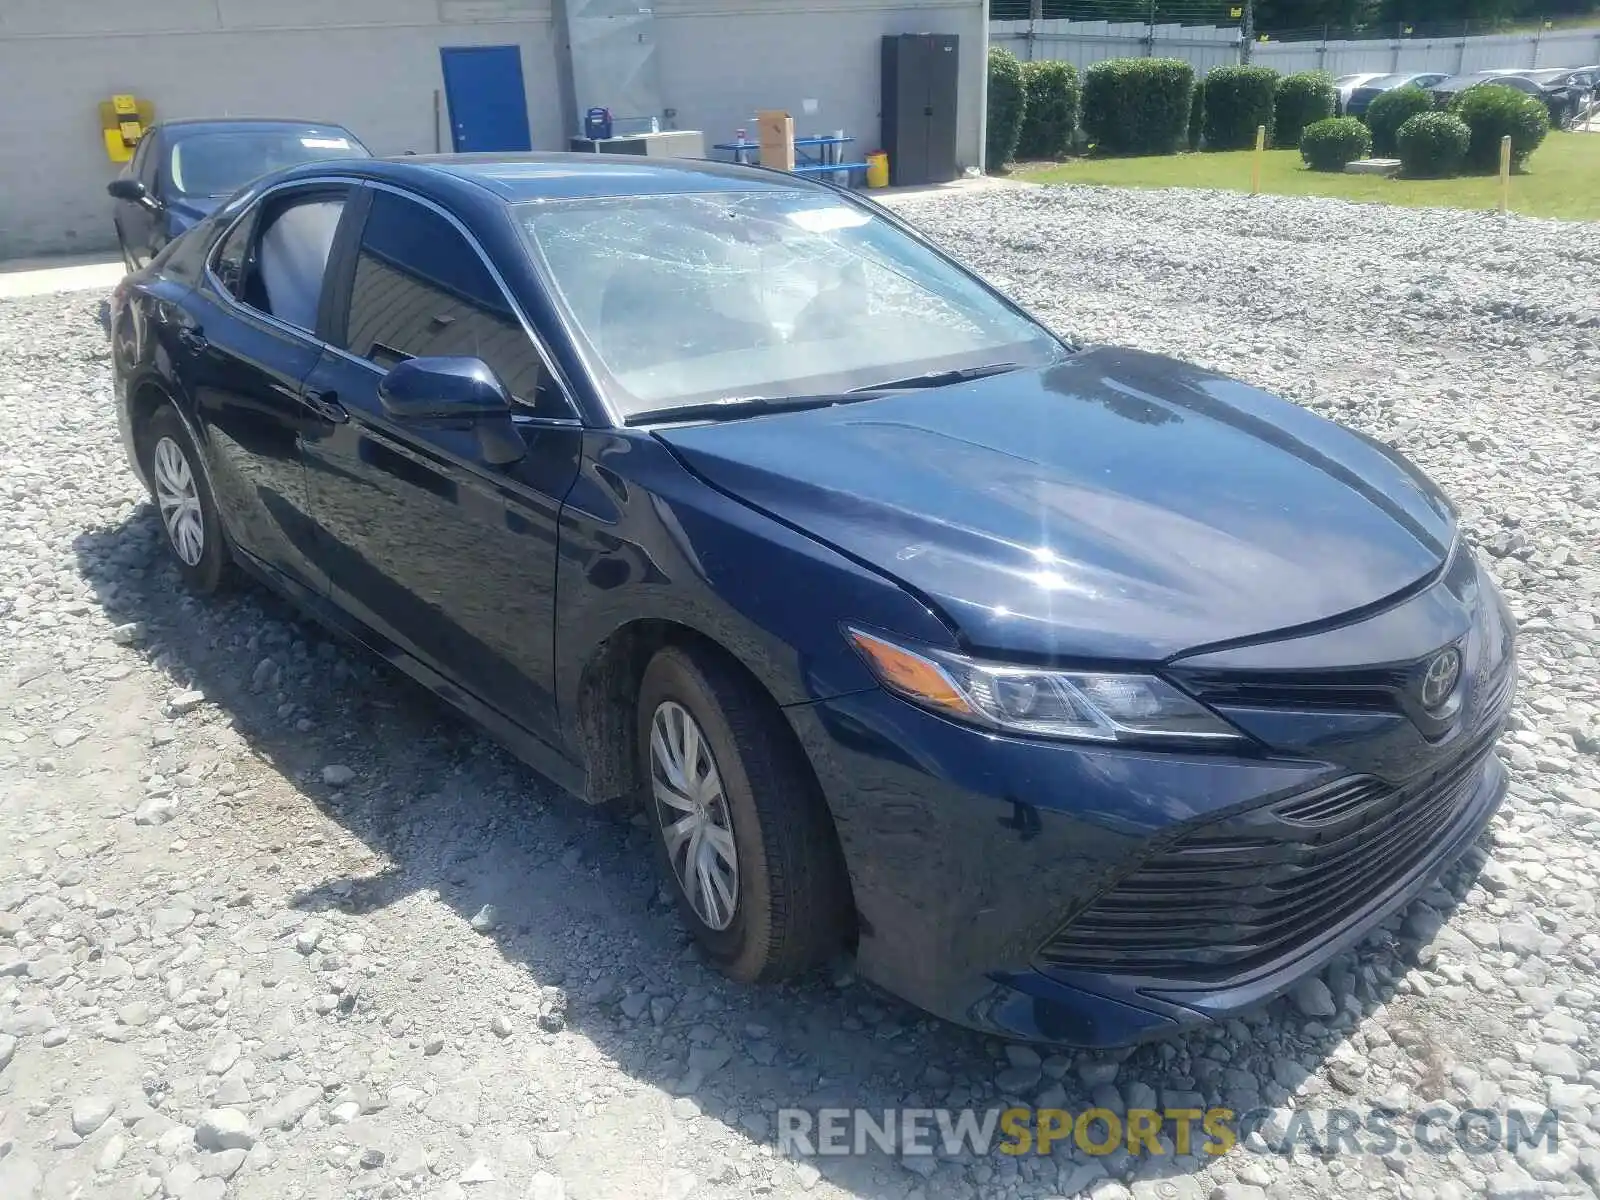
[
  {"x": 1197, "y": 113},
  {"x": 1008, "y": 103},
  {"x": 1389, "y": 111},
  {"x": 1433, "y": 145},
  {"x": 1492, "y": 110},
  {"x": 1137, "y": 105},
  {"x": 1301, "y": 100},
  {"x": 1328, "y": 144},
  {"x": 1238, "y": 99},
  {"x": 1050, "y": 116}
]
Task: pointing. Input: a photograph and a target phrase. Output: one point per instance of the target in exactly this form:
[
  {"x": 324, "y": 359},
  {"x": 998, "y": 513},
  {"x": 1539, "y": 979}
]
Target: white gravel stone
[
  {"x": 90, "y": 1112},
  {"x": 224, "y": 1129}
]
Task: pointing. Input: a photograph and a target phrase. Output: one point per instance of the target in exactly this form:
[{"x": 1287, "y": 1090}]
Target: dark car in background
[
  {"x": 1361, "y": 97},
  {"x": 1569, "y": 93},
  {"x": 1565, "y": 91},
  {"x": 183, "y": 169},
  {"x": 1082, "y": 693},
  {"x": 1345, "y": 85},
  {"x": 1446, "y": 90}
]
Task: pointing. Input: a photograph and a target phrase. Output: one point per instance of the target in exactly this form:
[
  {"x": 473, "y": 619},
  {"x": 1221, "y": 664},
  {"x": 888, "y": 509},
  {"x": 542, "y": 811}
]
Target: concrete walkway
[
  {"x": 983, "y": 183},
  {"x": 46, "y": 276}
]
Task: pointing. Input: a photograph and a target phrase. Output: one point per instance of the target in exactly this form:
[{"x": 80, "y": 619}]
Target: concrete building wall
[
  {"x": 721, "y": 60},
  {"x": 373, "y": 65}
]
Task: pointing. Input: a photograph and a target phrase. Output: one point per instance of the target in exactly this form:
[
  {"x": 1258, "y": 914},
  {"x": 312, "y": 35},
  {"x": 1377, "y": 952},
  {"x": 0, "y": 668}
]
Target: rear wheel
[
  {"x": 183, "y": 498},
  {"x": 741, "y": 828}
]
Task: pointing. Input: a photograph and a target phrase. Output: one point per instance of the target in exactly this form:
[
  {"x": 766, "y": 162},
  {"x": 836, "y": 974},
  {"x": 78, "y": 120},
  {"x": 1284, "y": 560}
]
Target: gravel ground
[{"x": 273, "y": 924}]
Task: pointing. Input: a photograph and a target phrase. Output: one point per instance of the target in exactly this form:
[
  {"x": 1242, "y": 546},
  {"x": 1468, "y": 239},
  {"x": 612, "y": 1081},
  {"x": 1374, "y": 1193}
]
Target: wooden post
[
  {"x": 1505, "y": 172},
  {"x": 1255, "y": 161},
  {"x": 775, "y": 132}
]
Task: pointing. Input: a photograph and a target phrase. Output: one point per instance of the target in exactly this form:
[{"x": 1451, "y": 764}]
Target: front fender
[{"x": 645, "y": 539}]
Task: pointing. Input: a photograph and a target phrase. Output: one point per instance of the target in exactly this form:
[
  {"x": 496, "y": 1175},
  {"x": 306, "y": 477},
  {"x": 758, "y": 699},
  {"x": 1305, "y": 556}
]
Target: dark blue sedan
[
  {"x": 1080, "y": 693},
  {"x": 183, "y": 170}
]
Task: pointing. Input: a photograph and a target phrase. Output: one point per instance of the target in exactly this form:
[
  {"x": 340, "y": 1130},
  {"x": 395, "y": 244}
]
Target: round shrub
[
  {"x": 1237, "y": 100},
  {"x": 1301, "y": 100},
  {"x": 1007, "y": 107},
  {"x": 1197, "y": 113},
  {"x": 1050, "y": 116},
  {"x": 1493, "y": 110},
  {"x": 1389, "y": 111},
  {"x": 1432, "y": 145},
  {"x": 1137, "y": 105},
  {"x": 1328, "y": 144}
]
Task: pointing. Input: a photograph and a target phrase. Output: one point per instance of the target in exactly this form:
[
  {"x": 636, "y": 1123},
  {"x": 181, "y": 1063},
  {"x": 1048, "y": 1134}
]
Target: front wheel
[
  {"x": 741, "y": 827},
  {"x": 183, "y": 497}
]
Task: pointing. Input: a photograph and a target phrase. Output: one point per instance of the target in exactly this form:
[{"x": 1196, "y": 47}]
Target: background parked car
[
  {"x": 1568, "y": 92},
  {"x": 1565, "y": 91},
  {"x": 184, "y": 169},
  {"x": 1344, "y": 85},
  {"x": 1361, "y": 97}
]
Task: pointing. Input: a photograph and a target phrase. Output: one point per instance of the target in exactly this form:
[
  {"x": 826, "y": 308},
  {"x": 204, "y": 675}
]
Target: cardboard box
[{"x": 775, "y": 132}]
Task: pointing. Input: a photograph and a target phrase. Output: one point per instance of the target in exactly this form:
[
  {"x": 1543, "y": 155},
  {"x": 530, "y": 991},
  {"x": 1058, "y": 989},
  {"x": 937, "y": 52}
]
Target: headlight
[{"x": 1081, "y": 705}]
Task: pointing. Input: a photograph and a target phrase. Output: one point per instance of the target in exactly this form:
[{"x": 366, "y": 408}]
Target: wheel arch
[
  {"x": 608, "y": 698},
  {"x": 148, "y": 393},
  {"x": 608, "y": 692}
]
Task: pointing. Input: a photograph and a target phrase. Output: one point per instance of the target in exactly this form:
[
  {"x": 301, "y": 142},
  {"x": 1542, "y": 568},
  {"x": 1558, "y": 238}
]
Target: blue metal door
[{"x": 488, "y": 107}]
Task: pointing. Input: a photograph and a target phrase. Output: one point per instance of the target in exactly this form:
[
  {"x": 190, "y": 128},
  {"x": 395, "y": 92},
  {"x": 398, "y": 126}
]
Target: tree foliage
[
  {"x": 1008, "y": 106},
  {"x": 1336, "y": 15}
]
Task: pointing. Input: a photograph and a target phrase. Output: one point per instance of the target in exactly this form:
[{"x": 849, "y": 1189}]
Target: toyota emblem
[{"x": 1439, "y": 679}]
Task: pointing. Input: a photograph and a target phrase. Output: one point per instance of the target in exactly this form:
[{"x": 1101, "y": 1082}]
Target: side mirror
[
  {"x": 419, "y": 388},
  {"x": 134, "y": 192},
  {"x": 455, "y": 388}
]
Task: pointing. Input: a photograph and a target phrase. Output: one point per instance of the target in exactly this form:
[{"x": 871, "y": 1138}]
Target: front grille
[
  {"x": 1235, "y": 895},
  {"x": 1352, "y": 691}
]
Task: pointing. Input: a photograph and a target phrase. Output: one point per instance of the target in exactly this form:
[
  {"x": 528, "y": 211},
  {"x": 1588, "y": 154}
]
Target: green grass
[{"x": 1561, "y": 179}]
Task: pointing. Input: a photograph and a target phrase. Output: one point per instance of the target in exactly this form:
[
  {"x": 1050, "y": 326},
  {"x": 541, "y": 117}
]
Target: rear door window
[
  {"x": 276, "y": 258},
  {"x": 233, "y": 258}
]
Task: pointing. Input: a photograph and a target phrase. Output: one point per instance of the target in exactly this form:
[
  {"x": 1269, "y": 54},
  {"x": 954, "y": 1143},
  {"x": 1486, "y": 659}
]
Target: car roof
[
  {"x": 190, "y": 125},
  {"x": 515, "y": 178}
]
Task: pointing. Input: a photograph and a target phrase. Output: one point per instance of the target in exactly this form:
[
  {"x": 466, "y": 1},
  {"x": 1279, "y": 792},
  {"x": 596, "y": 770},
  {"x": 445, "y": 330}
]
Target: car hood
[
  {"x": 1115, "y": 505},
  {"x": 189, "y": 211}
]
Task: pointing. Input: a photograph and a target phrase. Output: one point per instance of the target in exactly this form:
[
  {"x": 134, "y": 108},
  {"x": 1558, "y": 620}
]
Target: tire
[
  {"x": 790, "y": 890},
  {"x": 183, "y": 499}
]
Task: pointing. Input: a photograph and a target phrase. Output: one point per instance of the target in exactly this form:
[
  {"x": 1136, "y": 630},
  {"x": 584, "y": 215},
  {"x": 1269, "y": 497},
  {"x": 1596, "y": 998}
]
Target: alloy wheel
[
  {"x": 694, "y": 815},
  {"x": 178, "y": 496}
]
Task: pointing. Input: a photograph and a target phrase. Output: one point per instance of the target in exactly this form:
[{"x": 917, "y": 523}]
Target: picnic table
[{"x": 813, "y": 155}]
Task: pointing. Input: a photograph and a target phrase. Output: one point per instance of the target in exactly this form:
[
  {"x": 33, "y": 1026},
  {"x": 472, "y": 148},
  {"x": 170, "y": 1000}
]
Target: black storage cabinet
[{"x": 920, "y": 77}]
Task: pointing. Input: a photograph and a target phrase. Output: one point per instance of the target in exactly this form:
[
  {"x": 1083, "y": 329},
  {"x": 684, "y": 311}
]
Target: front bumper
[
  {"x": 969, "y": 853},
  {"x": 1012, "y": 885}
]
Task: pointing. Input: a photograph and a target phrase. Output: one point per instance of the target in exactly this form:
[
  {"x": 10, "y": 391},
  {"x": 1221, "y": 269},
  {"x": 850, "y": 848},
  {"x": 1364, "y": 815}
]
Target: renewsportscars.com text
[{"x": 1438, "y": 1129}]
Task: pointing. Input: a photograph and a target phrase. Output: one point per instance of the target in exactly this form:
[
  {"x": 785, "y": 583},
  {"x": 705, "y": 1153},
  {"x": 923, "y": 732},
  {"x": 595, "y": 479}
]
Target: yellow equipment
[
  {"x": 123, "y": 121},
  {"x": 877, "y": 169}
]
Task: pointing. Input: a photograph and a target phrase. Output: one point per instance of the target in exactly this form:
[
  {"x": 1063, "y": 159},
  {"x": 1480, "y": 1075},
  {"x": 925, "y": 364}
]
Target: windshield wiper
[
  {"x": 935, "y": 379},
  {"x": 743, "y": 406}
]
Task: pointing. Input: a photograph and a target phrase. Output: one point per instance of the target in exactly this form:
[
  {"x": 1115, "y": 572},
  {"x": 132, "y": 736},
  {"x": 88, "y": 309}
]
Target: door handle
[{"x": 326, "y": 405}]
